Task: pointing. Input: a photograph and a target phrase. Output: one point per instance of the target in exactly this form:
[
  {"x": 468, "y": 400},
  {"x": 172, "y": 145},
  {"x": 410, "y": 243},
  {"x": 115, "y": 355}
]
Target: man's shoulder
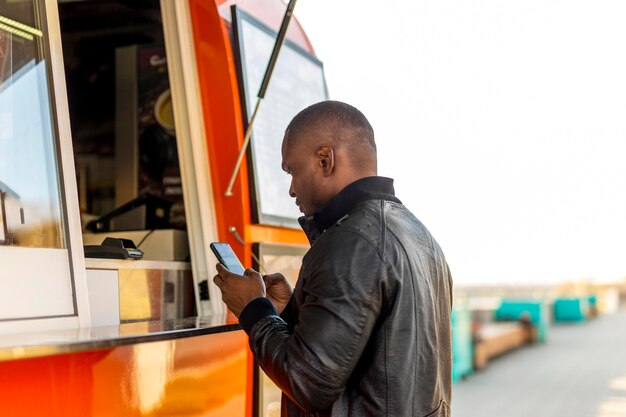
[
  {"x": 351, "y": 236},
  {"x": 388, "y": 222},
  {"x": 365, "y": 223},
  {"x": 373, "y": 221},
  {"x": 372, "y": 216}
]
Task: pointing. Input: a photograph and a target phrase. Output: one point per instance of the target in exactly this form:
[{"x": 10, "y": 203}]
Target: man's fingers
[
  {"x": 218, "y": 280},
  {"x": 272, "y": 278},
  {"x": 222, "y": 271}
]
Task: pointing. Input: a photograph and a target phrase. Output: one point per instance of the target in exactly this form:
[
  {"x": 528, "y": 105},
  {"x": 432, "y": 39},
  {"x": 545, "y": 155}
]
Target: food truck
[{"x": 121, "y": 124}]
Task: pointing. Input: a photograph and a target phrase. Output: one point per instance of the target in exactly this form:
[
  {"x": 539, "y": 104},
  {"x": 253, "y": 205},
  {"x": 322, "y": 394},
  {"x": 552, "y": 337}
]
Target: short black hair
[{"x": 347, "y": 124}]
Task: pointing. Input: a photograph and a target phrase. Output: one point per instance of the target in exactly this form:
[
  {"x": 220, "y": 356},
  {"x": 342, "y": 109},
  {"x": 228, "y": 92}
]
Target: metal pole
[
  {"x": 242, "y": 151},
  {"x": 266, "y": 79}
]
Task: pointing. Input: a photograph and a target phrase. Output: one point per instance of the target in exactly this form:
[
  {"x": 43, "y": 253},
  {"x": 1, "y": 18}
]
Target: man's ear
[{"x": 326, "y": 159}]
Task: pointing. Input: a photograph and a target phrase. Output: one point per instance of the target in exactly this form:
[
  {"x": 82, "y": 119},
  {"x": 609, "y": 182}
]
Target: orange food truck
[{"x": 121, "y": 122}]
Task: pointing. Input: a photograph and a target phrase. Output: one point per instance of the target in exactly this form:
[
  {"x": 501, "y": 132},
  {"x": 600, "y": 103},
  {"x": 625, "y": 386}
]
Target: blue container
[
  {"x": 533, "y": 310},
  {"x": 462, "y": 347},
  {"x": 570, "y": 309},
  {"x": 592, "y": 306},
  {"x": 593, "y": 301}
]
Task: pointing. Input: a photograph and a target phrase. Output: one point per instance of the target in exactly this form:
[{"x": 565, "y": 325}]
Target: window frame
[
  {"x": 193, "y": 151},
  {"x": 60, "y": 118}
]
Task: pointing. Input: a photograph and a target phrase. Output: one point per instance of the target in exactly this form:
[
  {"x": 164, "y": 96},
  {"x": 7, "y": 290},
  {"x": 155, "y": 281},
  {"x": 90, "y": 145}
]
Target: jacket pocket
[{"x": 442, "y": 410}]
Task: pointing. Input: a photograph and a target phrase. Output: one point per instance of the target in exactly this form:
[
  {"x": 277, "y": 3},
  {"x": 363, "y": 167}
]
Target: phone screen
[{"x": 227, "y": 257}]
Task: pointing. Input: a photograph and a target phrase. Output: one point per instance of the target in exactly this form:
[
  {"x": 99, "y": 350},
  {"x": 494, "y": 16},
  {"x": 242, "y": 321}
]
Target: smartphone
[{"x": 225, "y": 255}]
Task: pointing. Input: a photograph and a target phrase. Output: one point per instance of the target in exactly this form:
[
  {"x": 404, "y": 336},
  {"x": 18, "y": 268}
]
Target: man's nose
[{"x": 292, "y": 193}]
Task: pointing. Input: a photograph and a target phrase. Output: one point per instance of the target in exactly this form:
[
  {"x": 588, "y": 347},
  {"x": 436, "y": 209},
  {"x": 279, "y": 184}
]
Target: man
[{"x": 366, "y": 332}]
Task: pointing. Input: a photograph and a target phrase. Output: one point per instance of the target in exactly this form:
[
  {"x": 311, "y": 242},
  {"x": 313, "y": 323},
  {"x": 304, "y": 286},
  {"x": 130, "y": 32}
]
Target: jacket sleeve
[
  {"x": 287, "y": 314},
  {"x": 342, "y": 298}
]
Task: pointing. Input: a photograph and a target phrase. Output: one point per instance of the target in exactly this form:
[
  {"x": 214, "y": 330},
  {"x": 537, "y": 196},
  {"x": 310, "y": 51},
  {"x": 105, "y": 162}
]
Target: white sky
[{"x": 502, "y": 122}]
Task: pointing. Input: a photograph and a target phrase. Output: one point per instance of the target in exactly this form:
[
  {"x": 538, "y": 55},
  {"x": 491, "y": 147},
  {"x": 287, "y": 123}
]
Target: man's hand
[
  {"x": 238, "y": 290},
  {"x": 278, "y": 290}
]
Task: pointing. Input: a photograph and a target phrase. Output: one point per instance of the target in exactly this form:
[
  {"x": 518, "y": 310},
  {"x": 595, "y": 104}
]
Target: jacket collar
[{"x": 340, "y": 206}]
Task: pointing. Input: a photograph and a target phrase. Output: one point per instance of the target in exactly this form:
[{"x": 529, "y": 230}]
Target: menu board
[{"x": 297, "y": 82}]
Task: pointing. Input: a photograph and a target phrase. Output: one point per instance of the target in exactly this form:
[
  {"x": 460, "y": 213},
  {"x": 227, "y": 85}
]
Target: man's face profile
[{"x": 300, "y": 163}]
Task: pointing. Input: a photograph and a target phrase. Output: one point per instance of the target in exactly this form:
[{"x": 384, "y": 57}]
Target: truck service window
[
  {"x": 35, "y": 274},
  {"x": 123, "y": 128}
]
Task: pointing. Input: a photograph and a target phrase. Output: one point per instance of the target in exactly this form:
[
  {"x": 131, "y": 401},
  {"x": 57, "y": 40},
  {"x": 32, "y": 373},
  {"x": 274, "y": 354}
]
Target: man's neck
[{"x": 369, "y": 188}]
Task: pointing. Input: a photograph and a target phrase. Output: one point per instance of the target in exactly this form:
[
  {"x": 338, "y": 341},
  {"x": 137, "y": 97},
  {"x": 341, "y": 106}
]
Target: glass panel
[
  {"x": 286, "y": 259},
  {"x": 30, "y": 200},
  {"x": 155, "y": 294}
]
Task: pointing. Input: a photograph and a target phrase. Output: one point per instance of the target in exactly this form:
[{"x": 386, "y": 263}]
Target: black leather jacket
[{"x": 367, "y": 330}]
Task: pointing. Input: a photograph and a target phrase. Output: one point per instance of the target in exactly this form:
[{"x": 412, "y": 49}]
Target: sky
[{"x": 503, "y": 124}]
